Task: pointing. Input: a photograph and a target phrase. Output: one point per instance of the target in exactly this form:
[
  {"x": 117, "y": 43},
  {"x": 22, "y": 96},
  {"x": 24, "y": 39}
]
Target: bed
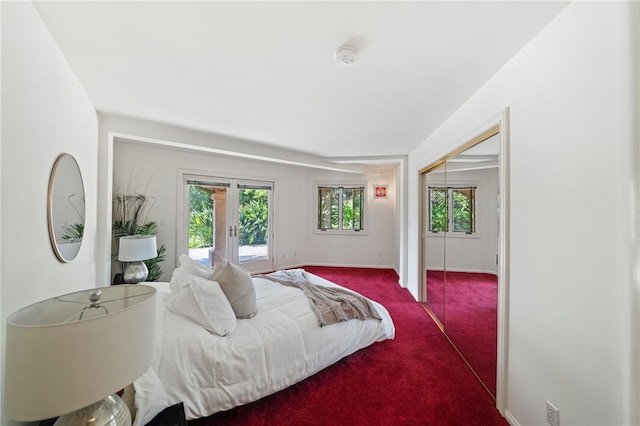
[{"x": 282, "y": 344}]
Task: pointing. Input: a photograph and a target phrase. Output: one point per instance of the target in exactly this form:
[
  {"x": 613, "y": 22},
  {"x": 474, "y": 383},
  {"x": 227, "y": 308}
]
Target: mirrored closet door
[{"x": 460, "y": 222}]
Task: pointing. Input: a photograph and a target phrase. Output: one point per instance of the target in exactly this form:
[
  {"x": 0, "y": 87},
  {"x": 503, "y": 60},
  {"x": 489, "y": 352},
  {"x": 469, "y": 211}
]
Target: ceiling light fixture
[{"x": 345, "y": 55}]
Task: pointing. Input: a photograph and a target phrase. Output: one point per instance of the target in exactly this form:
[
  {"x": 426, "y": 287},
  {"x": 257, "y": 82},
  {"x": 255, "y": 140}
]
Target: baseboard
[
  {"x": 350, "y": 265},
  {"x": 473, "y": 271},
  {"x": 335, "y": 265},
  {"x": 512, "y": 420}
]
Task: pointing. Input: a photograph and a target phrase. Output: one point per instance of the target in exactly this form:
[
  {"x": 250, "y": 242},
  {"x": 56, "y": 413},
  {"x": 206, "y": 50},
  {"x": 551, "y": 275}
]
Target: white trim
[
  {"x": 635, "y": 193},
  {"x": 472, "y": 271},
  {"x": 503, "y": 266},
  {"x": 105, "y": 187},
  {"x": 224, "y": 152},
  {"x": 510, "y": 418}
]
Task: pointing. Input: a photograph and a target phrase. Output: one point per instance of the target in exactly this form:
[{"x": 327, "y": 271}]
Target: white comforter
[{"x": 280, "y": 346}]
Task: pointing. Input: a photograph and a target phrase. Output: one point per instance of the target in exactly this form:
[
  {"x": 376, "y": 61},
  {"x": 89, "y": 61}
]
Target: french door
[{"x": 230, "y": 217}]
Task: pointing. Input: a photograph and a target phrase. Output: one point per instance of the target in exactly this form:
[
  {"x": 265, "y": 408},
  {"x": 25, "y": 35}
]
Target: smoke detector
[{"x": 345, "y": 56}]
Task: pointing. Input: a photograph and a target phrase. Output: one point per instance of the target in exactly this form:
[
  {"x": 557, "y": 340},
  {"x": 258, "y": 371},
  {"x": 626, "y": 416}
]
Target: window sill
[
  {"x": 335, "y": 232},
  {"x": 453, "y": 235}
]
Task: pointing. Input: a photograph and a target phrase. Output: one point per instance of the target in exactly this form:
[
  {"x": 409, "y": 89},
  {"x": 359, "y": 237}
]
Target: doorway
[{"x": 228, "y": 217}]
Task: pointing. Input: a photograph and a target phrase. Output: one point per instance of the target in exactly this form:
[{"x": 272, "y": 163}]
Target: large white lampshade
[
  {"x": 71, "y": 351},
  {"x": 133, "y": 249}
]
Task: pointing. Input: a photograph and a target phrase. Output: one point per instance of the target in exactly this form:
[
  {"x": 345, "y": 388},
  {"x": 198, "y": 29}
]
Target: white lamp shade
[
  {"x": 57, "y": 363},
  {"x": 134, "y": 248}
]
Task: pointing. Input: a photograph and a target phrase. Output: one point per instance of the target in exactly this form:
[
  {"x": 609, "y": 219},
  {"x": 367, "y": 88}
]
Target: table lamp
[
  {"x": 67, "y": 356},
  {"x": 133, "y": 249}
]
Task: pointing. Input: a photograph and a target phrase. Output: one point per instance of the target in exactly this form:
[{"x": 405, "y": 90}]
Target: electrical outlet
[{"x": 553, "y": 415}]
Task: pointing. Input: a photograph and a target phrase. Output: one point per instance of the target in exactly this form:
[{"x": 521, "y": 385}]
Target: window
[
  {"x": 461, "y": 214},
  {"x": 341, "y": 208}
]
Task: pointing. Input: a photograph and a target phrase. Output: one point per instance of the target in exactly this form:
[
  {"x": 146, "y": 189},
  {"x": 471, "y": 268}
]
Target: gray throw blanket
[{"x": 331, "y": 305}]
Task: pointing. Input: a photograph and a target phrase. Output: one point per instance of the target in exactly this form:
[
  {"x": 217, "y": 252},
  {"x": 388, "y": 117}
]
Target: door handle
[{"x": 235, "y": 230}]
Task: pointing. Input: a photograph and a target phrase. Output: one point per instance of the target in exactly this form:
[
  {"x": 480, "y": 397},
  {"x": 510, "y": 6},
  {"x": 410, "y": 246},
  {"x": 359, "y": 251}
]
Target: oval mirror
[{"x": 65, "y": 208}]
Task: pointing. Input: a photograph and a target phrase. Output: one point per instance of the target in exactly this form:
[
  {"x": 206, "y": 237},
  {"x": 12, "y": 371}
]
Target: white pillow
[
  {"x": 194, "y": 267},
  {"x": 179, "y": 279},
  {"x": 204, "y": 302},
  {"x": 151, "y": 397}
]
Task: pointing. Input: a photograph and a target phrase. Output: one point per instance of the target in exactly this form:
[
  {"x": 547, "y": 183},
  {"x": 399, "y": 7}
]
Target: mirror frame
[{"x": 50, "y": 207}]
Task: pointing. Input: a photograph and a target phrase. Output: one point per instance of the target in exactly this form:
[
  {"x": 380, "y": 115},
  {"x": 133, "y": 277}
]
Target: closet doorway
[{"x": 462, "y": 217}]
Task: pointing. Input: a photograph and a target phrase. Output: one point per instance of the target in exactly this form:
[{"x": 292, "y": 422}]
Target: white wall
[
  {"x": 155, "y": 169},
  {"x": 571, "y": 167},
  {"x": 44, "y": 112}
]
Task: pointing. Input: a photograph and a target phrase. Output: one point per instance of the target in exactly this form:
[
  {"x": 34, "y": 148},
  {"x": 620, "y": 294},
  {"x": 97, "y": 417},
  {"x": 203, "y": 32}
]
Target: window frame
[
  {"x": 450, "y": 188},
  {"x": 340, "y": 187}
]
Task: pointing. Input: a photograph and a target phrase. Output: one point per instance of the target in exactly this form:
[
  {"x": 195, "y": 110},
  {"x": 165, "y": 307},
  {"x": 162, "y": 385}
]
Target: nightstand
[{"x": 170, "y": 416}]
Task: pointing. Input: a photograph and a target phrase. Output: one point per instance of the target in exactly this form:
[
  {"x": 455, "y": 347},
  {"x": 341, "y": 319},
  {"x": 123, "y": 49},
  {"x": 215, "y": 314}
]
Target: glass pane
[
  {"x": 438, "y": 210},
  {"x": 347, "y": 209},
  {"x": 463, "y": 210},
  {"x": 352, "y": 208},
  {"x": 253, "y": 232},
  {"x": 328, "y": 199},
  {"x": 358, "y": 209},
  {"x": 207, "y": 222}
]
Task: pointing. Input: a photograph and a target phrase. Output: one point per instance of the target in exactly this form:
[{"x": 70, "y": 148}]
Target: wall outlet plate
[{"x": 553, "y": 415}]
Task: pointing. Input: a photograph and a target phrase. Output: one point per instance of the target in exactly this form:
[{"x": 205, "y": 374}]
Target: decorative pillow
[
  {"x": 204, "y": 302},
  {"x": 237, "y": 285},
  {"x": 219, "y": 262},
  {"x": 150, "y": 395}
]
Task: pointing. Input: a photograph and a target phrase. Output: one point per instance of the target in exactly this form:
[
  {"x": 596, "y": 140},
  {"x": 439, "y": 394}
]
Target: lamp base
[
  {"x": 135, "y": 272},
  {"x": 111, "y": 411}
]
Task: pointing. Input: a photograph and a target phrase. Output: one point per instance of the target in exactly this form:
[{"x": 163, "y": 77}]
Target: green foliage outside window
[
  {"x": 352, "y": 208},
  {"x": 254, "y": 216},
  {"x": 462, "y": 205},
  {"x": 341, "y": 208},
  {"x": 328, "y": 214},
  {"x": 462, "y": 210},
  {"x": 200, "y": 217},
  {"x": 439, "y": 210}
]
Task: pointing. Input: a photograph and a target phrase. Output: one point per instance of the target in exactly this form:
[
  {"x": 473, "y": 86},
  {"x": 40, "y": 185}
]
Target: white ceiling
[{"x": 265, "y": 71}]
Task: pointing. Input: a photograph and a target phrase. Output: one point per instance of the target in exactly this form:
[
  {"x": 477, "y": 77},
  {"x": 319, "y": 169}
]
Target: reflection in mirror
[
  {"x": 471, "y": 253},
  {"x": 434, "y": 230},
  {"x": 65, "y": 208}
]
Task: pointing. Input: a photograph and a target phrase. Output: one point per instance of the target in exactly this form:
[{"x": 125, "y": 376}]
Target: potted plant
[{"x": 130, "y": 218}]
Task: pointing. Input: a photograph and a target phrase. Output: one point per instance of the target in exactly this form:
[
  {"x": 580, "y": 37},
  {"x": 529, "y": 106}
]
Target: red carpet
[
  {"x": 471, "y": 321},
  {"x": 436, "y": 293},
  {"x": 415, "y": 379}
]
